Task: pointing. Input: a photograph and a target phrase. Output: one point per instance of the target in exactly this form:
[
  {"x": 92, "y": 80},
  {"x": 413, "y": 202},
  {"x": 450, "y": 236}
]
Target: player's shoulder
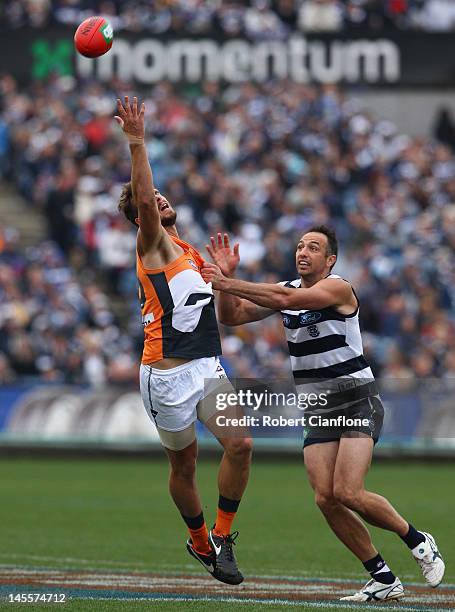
[
  {"x": 337, "y": 277},
  {"x": 189, "y": 249}
]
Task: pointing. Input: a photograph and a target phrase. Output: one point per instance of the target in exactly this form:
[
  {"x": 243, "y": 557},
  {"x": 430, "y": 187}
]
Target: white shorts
[{"x": 174, "y": 398}]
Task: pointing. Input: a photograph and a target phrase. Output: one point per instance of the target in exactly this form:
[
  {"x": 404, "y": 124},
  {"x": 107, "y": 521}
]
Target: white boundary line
[{"x": 274, "y": 602}]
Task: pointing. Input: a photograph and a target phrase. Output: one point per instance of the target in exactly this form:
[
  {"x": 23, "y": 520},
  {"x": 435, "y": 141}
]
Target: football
[{"x": 94, "y": 37}]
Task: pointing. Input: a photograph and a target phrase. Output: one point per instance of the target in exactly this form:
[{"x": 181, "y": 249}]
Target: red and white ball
[{"x": 94, "y": 37}]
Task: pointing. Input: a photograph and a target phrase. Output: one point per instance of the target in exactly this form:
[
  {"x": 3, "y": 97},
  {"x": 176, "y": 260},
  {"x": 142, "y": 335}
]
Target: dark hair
[
  {"x": 332, "y": 242},
  {"x": 126, "y": 204}
]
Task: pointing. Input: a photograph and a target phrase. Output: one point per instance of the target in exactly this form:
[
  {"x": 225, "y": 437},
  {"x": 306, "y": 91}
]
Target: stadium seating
[{"x": 262, "y": 162}]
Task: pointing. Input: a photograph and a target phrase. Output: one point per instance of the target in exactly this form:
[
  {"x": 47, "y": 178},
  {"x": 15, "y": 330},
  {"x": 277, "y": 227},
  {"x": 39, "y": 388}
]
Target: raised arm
[
  {"x": 326, "y": 292},
  {"x": 131, "y": 120},
  {"x": 232, "y": 310}
]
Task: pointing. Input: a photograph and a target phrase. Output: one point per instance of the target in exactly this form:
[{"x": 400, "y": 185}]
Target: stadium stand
[
  {"x": 260, "y": 161},
  {"x": 256, "y": 18}
]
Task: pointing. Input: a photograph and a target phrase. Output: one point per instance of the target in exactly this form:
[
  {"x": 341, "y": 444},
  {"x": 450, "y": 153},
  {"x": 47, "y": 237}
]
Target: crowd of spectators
[
  {"x": 261, "y": 162},
  {"x": 51, "y": 326},
  {"x": 255, "y": 18}
]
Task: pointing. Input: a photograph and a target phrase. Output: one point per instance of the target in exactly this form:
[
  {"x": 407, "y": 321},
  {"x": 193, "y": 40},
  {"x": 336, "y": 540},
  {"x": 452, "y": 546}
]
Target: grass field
[{"x": 106, "y": 533}]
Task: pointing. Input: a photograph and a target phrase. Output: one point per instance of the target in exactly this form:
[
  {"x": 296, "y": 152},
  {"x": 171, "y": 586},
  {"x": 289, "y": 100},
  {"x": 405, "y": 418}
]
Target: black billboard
[{"x": 405, "y": 59}]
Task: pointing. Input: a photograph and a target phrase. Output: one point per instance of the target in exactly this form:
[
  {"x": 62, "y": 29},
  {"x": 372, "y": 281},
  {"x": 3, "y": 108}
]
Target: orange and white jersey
[{"x": 178, "y": 310}]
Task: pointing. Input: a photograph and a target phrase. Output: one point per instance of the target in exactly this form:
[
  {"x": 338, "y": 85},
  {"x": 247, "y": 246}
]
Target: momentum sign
[
  {"x": 408, "y": 59},
  {"x": 148, "y": 61}
]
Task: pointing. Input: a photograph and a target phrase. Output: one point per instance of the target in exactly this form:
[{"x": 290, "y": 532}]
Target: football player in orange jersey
[{"x": 181, "y": 353}]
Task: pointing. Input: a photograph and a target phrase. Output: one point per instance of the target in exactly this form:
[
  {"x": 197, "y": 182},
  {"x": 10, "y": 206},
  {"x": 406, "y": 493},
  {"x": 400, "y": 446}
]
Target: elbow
[{"x": 225, "y": 320}]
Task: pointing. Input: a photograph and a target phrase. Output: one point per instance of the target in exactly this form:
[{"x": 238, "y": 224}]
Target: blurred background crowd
[
  {"x": 255, "y": 18},
  {"x": 263, "y": 162}
]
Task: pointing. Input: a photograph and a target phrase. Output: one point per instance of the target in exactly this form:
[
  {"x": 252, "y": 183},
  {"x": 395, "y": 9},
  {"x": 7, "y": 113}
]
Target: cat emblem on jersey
[{"x": 313, "y": 331}]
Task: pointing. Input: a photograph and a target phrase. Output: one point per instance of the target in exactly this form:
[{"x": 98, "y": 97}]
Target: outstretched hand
[
  {"x": 222, "y": 254},
  {"x": 212, "y": 274},
  {"x": 131, "y": 119}
]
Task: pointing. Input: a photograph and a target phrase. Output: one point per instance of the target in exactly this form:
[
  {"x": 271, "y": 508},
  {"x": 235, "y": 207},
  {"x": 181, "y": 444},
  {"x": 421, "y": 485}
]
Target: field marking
[
  {"x": 112, "y": 585},
  {"x": 188, "y": 568},
  {"x": 87, "y": 595},
  {"x": 304, "y": 577}
]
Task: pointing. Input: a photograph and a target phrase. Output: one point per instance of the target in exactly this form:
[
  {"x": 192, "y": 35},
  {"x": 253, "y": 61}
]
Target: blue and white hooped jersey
[{"x": 326, "y": 352}]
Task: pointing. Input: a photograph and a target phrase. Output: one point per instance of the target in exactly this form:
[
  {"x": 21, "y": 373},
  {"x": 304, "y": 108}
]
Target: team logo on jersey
[
  {"x": 313, "y": 331},
  {"x": 286, "y": 321},
  {"x": 309, "y": 317},
  {"x": 192, "y": 263},
  {"x": 148, "y": 318}
]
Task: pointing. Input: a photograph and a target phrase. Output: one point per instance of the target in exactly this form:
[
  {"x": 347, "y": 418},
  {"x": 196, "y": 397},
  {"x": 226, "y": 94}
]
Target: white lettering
[
  {"x": 151, "y": 60},
  {"x": 364, "y": 58},
  {"x": 148, "y": 61}
]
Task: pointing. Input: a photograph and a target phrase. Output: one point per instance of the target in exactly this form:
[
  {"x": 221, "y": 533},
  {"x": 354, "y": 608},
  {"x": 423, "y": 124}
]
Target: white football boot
[
  {"x": 376, "y": 591},
  {"x": 430, "y": 560}
]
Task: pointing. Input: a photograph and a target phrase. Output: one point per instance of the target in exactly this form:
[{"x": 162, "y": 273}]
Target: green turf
[
  {"x": 171, "y": 606},
  {"x": 117, "y": 515}
]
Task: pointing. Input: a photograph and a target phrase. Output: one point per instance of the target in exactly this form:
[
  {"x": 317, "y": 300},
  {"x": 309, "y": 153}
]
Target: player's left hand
[
  {"x": 212, "y": 274},
  {"x": 223, "y": 256}
]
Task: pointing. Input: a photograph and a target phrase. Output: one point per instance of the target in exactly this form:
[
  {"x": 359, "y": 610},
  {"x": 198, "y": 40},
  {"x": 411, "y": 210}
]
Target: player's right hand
[
  {"x": 222, "y": 254},
  {"x": 131, "y": 119}
]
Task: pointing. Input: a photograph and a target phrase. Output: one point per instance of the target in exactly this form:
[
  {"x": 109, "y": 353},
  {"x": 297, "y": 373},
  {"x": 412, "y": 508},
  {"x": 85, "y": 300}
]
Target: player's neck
[
  {"x": 172, "y": 231},
  {"x": 312, "y": 279}
]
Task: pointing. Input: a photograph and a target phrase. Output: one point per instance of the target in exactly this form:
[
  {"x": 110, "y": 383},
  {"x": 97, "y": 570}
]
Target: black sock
[
  {"x": 413, "y": 538},
  {"x": 194, "y": 522},
  {"x": 228, "y": 505},
  {"x": 379, "y": 570}
]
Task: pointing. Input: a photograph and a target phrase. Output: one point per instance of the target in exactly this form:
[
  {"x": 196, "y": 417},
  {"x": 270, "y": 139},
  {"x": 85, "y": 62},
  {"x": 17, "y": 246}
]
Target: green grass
[{"x": 116, "y": 514}]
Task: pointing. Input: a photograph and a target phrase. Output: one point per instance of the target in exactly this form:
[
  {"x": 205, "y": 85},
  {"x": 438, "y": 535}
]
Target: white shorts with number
[{"x": 174, "y": 398}]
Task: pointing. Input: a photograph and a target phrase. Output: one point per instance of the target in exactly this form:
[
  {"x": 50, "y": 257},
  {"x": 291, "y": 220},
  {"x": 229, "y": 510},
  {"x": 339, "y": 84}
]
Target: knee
[
  {"x": 184, "y": 471},
  {"x": 239, "y": 449},
  {"x": 325, "y": 501},
  {"x": 348, "y": 496}
]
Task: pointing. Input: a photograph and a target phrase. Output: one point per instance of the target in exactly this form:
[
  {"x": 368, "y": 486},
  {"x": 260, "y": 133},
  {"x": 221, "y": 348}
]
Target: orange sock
[
  {"x": 223, "y": 522},
  {"x": 200, "y": 539}
]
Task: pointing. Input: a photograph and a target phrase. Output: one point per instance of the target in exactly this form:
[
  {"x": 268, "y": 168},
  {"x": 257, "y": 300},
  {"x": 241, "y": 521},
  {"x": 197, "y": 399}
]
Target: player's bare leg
[
  {"x": 184, "y": 492},
  {"x": 352, "y": 464},
  {"x": 182, "y": 480},
  {"x": 232, "y": 480},
  {"x": 320, "y": 460},
  {"x": 234, "y": 467}
]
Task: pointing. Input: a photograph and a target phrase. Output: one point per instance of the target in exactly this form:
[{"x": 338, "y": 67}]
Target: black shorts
[{"x": 368, "y": 409}]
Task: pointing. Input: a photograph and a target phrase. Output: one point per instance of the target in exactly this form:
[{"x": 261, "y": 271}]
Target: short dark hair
[
  {"x": 332, "y": 241},
  {"x": 126, "y": 204}
]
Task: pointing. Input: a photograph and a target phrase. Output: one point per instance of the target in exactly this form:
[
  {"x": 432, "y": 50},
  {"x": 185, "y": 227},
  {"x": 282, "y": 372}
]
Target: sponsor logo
[
  {"x": 192, "y": 263},
  {"x": 299, "y": 59},
  {"x": 107, "y": 32},
  {"x": 313, "y": 331},
  {"x": 309, "y": 317},
  {"x": 217, "y": 548}
]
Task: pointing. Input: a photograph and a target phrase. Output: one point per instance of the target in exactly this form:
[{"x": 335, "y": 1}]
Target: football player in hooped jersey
[
  {"x": 181, "y": 351},
  {"x": 320, "y": 315}
]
